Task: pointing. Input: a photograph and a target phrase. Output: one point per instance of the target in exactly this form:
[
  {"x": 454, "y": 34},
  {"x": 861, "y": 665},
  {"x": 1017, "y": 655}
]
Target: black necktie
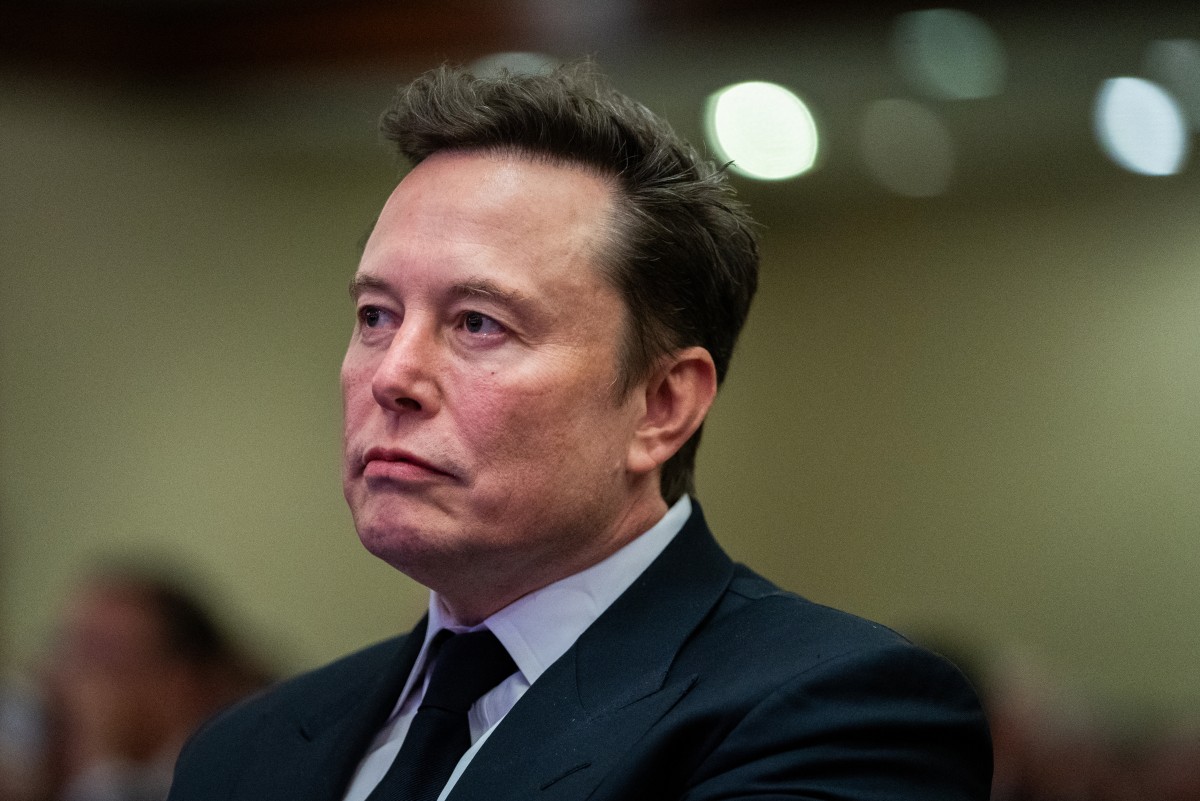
[{"x": 468, "y": 665}]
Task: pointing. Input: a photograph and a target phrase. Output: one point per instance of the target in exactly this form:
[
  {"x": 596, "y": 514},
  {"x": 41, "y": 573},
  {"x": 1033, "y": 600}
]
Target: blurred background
[{"x": 967, "y": 402}]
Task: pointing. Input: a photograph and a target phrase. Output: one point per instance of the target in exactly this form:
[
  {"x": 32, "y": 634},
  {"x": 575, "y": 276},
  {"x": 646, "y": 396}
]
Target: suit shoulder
[
  {"x": 346, "y": 676},
  {"x": 790, "y": 672},
  {"x": 229, "y": 744},
  {"x": 756, "y": 605},
  {"x": 790, "y": 636}
]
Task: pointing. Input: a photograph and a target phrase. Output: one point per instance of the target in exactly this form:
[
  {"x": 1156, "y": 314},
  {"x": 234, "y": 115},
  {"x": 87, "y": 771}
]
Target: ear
[{"x": 677, "y": 397}]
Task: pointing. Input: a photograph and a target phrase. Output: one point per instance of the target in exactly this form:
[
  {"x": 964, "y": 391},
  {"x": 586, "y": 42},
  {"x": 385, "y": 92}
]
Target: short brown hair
[{"x": 685, "y": 258}]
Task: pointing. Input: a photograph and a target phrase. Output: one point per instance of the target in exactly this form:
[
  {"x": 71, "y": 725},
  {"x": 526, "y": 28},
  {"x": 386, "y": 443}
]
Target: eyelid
[
  {"x": 360, "y": 313},
  {"x": 484, "y": 315},
  {"x": 498, "y": 332}
]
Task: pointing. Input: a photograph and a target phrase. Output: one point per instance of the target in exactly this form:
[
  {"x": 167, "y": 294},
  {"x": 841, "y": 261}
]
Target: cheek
[
  {"x": 504, "y": 423},
  {"x": 541, "y": 437},
  {"x": 356, "y": 392},
  {"x": 498, "y": 427}
]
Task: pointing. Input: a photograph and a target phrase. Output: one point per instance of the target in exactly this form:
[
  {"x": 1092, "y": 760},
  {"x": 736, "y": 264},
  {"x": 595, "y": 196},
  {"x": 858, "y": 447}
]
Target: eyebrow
[
  {"x": 477, "y": 287},
  {"x": 487, "y": 288},
  {"x": 361, "y": 283}
]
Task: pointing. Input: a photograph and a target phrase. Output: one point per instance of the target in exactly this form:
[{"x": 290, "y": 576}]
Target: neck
[{"x": 491, "y": 589}]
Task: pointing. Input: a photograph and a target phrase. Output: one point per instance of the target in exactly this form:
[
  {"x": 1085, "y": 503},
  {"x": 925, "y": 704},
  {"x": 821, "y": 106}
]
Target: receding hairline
[
  {"x": 520, "y": 152},
  {"x": 610, "y": 177}
]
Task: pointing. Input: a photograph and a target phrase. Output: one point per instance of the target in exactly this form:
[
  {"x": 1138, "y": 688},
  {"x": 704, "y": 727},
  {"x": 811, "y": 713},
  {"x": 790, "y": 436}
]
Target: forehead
[
  {"x": 102, "y": 610},
  {"x": 503, "y": 199}
]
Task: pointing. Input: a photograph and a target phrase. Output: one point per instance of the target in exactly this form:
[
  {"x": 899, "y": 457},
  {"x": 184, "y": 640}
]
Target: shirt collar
[{"x": 538, "y": 628}]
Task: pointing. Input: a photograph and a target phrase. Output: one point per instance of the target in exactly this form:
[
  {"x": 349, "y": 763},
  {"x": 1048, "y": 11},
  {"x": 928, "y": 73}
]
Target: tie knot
[{"x": 468, "y": 665}]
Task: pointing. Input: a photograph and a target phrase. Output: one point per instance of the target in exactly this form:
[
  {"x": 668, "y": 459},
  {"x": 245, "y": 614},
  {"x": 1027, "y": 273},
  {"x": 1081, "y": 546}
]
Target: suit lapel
[
  {"x": 591, "y": 705},
  {"x": 318, "y": 752}
]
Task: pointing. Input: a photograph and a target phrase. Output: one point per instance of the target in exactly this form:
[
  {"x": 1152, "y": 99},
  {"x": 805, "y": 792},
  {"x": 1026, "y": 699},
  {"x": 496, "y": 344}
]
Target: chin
[
  {"x": 406, "y": 546},
  {"x": 403, "y": 553}
]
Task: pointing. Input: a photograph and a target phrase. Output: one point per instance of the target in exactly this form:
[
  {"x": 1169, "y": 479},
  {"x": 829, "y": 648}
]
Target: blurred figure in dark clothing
[
  {"x": 1052, "y": 743},
  {"x": 139, "y": 664}
]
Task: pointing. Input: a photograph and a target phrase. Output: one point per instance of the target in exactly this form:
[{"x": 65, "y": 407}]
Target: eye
[
  {"x": 370, "y": 316},
  {"x": 478, "y": 323}
]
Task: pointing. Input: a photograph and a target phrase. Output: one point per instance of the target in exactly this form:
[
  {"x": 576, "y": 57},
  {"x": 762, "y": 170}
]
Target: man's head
[
  {"x": 139, "y": 662},
  {"x": 682, "y": 252},
  {"x": 532, "y": 345}
]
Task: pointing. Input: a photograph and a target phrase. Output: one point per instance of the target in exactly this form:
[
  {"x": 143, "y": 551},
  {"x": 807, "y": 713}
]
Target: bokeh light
[
  {"x": 764, "y": 129},
  {"x": 906, "y": 148},
  {"x": 949, "y": 54},
  {"x": 1141, "y": 127}
]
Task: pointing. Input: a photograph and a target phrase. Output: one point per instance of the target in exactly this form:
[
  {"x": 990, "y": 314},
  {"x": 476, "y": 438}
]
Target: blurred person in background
[
  {"x": 139, "y": 662},
  {"x": 1053, "y": 743}
]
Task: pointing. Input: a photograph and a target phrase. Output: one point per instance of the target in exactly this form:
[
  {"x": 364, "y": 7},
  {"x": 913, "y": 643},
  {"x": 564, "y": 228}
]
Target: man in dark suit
[{"x": 545, "y": 309}]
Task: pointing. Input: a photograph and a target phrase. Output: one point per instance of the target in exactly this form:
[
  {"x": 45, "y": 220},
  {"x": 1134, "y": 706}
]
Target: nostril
[{"x": 408, "y": 403}]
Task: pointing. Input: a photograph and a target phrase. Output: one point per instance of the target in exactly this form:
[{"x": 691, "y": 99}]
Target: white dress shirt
[{"x": 536, "y": 630}]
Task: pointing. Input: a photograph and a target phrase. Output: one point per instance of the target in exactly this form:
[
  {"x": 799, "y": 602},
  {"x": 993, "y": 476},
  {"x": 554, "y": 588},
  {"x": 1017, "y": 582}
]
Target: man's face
[
  {"x": 484, "y": 443},
  {"x": 111, "y": 676}
]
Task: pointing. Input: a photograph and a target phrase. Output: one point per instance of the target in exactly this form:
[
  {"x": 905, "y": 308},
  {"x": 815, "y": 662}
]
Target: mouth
[{"x": 399, "y": 465}]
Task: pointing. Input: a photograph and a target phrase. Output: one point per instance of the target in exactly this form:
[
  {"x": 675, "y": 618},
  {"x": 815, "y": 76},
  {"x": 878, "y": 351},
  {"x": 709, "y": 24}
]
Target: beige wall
[{"x": 975, "y": 415}]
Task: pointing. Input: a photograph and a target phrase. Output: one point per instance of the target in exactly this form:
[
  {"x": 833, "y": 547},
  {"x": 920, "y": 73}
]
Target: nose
[{"x": 405, "y": 379}]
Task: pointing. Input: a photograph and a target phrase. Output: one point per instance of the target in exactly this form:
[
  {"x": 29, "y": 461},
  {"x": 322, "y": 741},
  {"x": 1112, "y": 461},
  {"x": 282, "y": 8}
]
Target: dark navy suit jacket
[{"x": 703, "y": 681}]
